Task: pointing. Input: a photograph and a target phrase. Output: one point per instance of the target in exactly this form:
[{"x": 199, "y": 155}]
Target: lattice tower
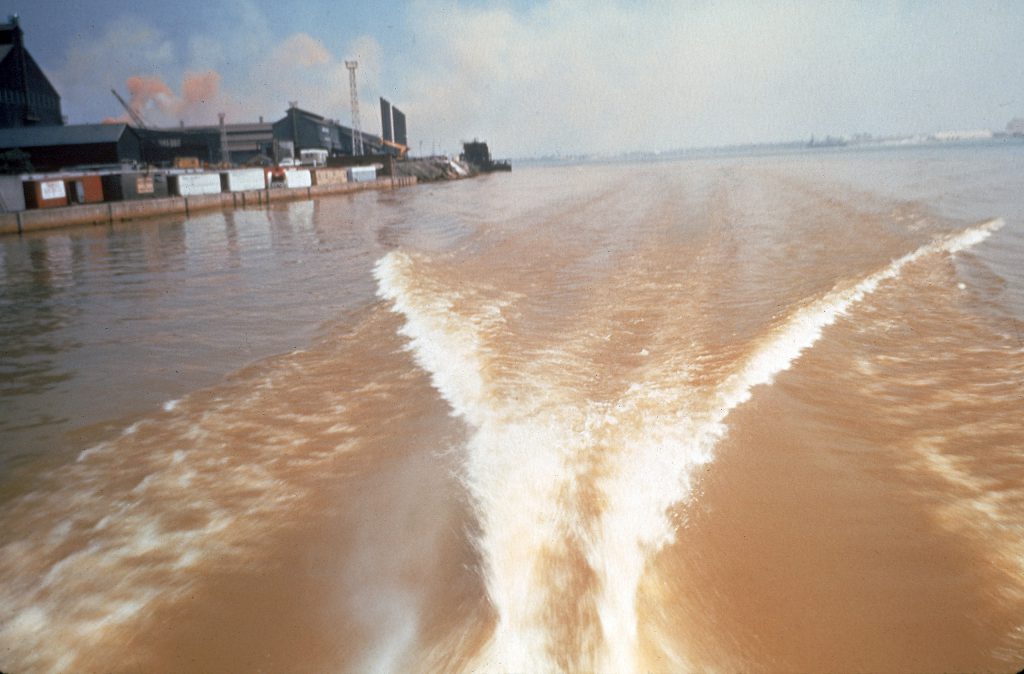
[{"x": 357, "y": 128}]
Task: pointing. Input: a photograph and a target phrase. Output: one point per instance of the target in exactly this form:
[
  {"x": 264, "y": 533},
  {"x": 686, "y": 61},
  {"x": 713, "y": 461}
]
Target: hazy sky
[{"x": 537, "y": 78}]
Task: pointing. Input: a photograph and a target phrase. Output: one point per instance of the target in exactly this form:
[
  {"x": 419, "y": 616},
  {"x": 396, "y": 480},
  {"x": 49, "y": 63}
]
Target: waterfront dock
[{"x": 118, "y": 211}]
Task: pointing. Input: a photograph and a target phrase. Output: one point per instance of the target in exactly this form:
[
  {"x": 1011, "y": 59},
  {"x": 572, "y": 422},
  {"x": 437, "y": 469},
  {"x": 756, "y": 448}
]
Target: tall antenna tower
[{"x": 357, "y": 130}]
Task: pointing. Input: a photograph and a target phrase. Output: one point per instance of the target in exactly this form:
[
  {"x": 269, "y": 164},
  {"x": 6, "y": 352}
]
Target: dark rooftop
[{"x": 47, "y": 136}]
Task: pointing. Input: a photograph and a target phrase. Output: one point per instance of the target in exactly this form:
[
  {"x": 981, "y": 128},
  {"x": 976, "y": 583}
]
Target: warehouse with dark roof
[{"x": 50, "y": 148}]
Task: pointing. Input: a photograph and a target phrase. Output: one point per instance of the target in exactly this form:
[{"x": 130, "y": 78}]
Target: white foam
[
  {"x": 778, "y": 352},
  {"x": 88, "y": 452},
  {"x": 528, "y": 458},
  {"x": 443, "y": 344},
  {"x": 94, "y": 552},
  {"x": 30, "y": 621},
  {"x": 60, "y": 532}
]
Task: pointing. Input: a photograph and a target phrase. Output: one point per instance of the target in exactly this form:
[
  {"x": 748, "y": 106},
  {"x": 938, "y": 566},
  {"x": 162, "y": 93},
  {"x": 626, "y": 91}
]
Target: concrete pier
[{"x": 118, "y": 211}]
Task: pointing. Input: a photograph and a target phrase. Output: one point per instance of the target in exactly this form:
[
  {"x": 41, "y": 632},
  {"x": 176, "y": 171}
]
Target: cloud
[
  {"x": 607, "y": 76},
  {"x": 562, "y": 76},
  {"x": 243, "y": 70},
  {"x": 301, "y": 50},
  {"x": 301, "y": 68},
  {"x": 298, "y": 68},
  {"x": 95, "y": 63}
]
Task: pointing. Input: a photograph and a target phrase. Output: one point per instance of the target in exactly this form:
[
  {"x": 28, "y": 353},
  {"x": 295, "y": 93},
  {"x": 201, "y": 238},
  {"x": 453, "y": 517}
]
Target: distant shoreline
[{"x": 771, "y": 149}]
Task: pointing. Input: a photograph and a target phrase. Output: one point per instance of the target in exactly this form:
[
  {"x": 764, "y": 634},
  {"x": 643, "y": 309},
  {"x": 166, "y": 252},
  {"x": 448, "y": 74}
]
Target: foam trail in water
[
  {"x": 135, "y": 521},
  {"x": 444, "y": 346},
  {"x": 804, "y": 328},
  {"x": 511, "y": 460},
  {"x": 534, "y": 464},
  {"x": 638, "y": 494}
]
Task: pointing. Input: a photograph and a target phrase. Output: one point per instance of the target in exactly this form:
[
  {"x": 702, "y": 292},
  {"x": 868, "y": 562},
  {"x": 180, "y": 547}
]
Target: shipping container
[
  {"x": 298, "y": 178},
  {"x": 84, "y": 189},
  {"x": 194, "y": 184},
  {"x": 134, "y": 185},
  {"x": 330, "y": 176},
  {"x": 243, "y": 180},
  {"x": 45, "y": 193},
  {"x": 362, "y": 174},
  {"x": 12, "y": 194}
]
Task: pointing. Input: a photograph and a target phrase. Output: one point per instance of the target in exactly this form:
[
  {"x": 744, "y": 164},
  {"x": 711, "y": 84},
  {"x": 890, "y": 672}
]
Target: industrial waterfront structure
[
  {"x": 304, "y": 130},
  {"x": 26, "y": 96},
  {"x": 59, "y": 147},
  {"x": 392, "y": 124},
  {"x": 50, "y": 148},
  {"x": 478, "y": 156},
  {"x": 33, "y": 136},
  {"x": 56, "y": 174},
  {"x": 353, "y": 92},
  {"x": 247, "y": 142}
]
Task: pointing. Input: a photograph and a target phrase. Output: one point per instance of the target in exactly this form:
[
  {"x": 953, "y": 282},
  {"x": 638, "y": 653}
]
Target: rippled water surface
[{"x": 724, "y": 414}]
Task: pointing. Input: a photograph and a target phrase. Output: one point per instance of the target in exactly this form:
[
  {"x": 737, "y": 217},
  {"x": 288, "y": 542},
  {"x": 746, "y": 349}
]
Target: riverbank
[{"x": 120, "y": 211}]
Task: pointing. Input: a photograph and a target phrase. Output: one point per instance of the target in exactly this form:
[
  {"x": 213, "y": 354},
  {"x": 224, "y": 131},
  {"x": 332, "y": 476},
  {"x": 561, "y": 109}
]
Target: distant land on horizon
[{"x": 857, "y": 141}]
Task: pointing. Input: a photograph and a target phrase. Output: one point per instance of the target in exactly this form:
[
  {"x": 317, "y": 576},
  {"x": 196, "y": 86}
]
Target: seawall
[{"x": 118, "y": 211}]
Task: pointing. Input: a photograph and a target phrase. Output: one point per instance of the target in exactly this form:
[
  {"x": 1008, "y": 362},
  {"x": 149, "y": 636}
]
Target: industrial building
[
  {"x": 303, "y": 130},
  {"x": 57, "y": 147},
  {"x": 51, "y": 148},
  {"x": 247, "y": 143},
  {"x": 164, "y": 147},
  {"x": 26, "y": 96},
  {"x": 34, "y": 138}
]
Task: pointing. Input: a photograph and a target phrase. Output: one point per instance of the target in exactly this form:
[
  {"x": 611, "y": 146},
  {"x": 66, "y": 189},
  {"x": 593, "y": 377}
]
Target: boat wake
[{"x": 575, "y": 496}]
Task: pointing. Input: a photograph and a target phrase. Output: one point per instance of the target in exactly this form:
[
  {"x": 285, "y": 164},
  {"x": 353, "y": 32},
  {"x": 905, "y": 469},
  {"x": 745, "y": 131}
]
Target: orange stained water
[{"x": 716, "y": 415}]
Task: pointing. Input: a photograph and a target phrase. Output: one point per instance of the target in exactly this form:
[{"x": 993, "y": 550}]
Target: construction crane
[{"x": 136, "y": 117}]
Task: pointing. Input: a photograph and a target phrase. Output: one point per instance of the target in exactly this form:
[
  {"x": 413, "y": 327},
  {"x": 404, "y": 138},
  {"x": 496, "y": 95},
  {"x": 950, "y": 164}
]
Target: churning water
[{"x": 725, "y": 414}]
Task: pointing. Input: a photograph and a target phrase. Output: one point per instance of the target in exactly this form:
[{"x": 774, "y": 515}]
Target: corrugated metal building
[
  {"x": 55, "y": 147},
  {"x": 26, "y": 96},
  {"x": 246, "y": 142},
  {"x": 161, "y": 147},
  {"x": 309, "y": 131}
]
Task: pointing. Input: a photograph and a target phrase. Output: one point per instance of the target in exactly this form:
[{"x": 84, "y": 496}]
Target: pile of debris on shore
[
  {"x": 432, "y": 169},
  {"x": 474, "y": 160}
]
